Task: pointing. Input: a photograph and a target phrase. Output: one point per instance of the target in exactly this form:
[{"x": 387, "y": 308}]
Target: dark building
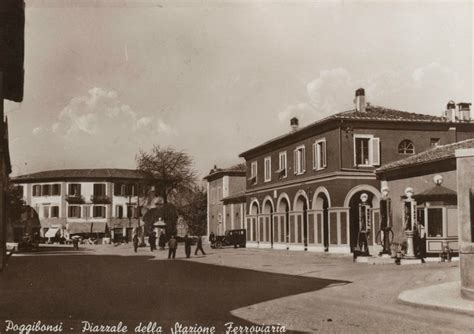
[{"x": 304, "y": 188}]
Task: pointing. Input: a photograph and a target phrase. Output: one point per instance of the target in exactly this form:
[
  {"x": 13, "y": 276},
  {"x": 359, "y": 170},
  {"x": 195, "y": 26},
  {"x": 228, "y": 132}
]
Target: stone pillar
[{"x": 465, "y": 189}]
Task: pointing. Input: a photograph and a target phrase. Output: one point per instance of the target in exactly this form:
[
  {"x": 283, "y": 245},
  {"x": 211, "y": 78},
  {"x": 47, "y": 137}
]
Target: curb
[{"x": 452, "y": 302}]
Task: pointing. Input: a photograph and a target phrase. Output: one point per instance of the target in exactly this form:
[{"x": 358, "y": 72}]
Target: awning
[
  {"x": 51, "y": 232},
  {"x": 95, "y": 227}
]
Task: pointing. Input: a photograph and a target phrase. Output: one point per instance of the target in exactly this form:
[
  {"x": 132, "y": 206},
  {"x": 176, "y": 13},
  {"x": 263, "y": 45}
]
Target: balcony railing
[
  {"x": 75, "y": 199},
  {"x": 100, "y": 199}
]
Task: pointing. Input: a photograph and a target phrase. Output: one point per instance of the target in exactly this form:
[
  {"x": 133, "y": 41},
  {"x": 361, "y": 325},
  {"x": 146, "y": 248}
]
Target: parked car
[
  {"x": 236, "y": 238},
  {"x": 28, "y": 244}
]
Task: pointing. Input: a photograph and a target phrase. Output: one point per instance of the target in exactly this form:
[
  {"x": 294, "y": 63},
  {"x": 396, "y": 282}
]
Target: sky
[{"x": 105, "y": 79}]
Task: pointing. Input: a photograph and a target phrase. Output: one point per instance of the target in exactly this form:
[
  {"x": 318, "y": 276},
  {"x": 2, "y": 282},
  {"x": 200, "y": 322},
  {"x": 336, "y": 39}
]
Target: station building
[
  {"x": 303, "y": 188},
  {"x": 85, "y": 202}
]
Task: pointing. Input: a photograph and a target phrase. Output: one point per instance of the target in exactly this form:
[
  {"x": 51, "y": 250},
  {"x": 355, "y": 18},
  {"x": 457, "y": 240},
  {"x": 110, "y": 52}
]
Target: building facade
[
  {"x": 432, "y": 176},
  {"x": 225, "y": 199},
  {"x": 87, "y": 202},
  {"x": 303, "y": 189}
]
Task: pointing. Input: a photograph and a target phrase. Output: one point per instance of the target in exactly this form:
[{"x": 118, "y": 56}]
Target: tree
[
  {"x": 171, "y": 171},
  {"x": 15, "y": 205},
  {"x": 193, "y": 209}
]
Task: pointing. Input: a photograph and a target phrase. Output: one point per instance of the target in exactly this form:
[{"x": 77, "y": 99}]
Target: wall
[{"x": 215, "y": 206}]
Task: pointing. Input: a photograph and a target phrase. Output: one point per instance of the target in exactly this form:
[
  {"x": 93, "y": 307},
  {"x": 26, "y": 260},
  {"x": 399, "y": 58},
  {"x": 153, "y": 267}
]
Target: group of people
[{"x": 172, "y": 244}]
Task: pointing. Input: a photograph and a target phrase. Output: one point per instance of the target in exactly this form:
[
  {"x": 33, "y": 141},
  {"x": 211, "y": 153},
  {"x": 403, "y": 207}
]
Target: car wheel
[{"x": 218, "y": 244}]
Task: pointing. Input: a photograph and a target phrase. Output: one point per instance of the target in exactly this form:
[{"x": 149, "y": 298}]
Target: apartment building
[
  {"x": 97, "y": 202},
  {"x": 305, "y": 188}
]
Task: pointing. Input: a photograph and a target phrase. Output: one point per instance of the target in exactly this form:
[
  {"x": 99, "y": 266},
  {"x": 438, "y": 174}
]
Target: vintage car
[{"x": 236, "y": 238}]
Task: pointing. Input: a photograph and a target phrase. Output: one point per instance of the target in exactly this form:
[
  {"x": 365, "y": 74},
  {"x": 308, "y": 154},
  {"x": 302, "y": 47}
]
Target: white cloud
[{"x": 101, "y": 112}]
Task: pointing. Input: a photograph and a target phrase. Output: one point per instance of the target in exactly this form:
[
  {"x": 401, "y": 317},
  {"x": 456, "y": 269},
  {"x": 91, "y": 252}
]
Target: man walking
[
  {"x": 135, "y": 242},
  {"x": 187, "y": 246},
  {"x": 152, "y": 241},
  {"x": 172, "y": 245},
  {"x": 199, "y": 246}
]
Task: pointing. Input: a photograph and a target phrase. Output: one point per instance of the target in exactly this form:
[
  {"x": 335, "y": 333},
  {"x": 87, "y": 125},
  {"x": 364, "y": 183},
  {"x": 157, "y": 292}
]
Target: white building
[{"x": 97, "y": 202}]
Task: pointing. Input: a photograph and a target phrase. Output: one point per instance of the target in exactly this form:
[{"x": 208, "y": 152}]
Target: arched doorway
[
  {"x": 266, "y": 228},
  {"x": 321, "y": 203},
  {"x": 254, "y": 209},
  {"x": 300, "y": 208},
  {"x": 282, "y": 218}
]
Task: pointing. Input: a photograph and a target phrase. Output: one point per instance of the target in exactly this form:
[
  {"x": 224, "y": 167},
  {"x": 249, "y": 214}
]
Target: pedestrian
[
  {"x": 199, "y": 246},
  {"x": 172, "y": 245},
  {"x": 135, "y": 242},
  {"x": 162, "y": 240},
  {"x": 152, "y": 241},
  {"x": 75, "y": 243},
  {"x": 212, "y": 239},
  {"x": 187, "y": 245},
  {"x": 422, "y": 241}
]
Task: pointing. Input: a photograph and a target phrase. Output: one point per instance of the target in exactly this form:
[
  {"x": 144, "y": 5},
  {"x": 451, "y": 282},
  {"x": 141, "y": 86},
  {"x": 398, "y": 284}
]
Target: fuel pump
[
  {"x": 365, "y": 225},
  {"x": 409, "y": 221},
  {"x": 385, "y": 222}
]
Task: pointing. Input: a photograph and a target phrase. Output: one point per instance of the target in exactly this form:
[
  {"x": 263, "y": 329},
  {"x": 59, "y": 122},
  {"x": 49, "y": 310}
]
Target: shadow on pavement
[{"x": 107, "y": 289}]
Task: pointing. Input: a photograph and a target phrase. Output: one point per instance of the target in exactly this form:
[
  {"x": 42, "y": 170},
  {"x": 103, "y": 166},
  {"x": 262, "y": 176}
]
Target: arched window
[{"x": 406, "y": 147}]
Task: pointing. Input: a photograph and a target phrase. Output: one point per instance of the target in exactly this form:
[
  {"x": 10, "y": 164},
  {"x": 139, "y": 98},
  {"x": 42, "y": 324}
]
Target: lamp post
[
  {"x": 409, "y": 221},
  {"x": 386, "y": 220}
]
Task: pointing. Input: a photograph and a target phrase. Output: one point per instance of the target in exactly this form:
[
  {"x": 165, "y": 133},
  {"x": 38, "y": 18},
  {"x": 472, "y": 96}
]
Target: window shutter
[
  {"x": 295, "y": 161},
  {"x": 375, "y": 151},
  {"x": 303, "y": 159},
  {"x": 315, "y": 156},
  {"x": 323, "y": 154}
]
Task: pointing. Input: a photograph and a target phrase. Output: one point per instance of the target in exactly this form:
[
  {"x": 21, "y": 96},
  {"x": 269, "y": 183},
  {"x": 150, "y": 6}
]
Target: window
[
  {"x": 319, "y": 154},
  {"x": 74, "y": 211},
  {"x": 268, "y": 169},
  {"x": 46, "y": 211},
  {"x": 55, "y": 212},
  {"x": 253, "y": 173},
  {"x": 118, "y": 189},
  {"x": 46, "y": 189},
  {"x": 36, "y": 190},
  {"x": 87, "y": 211},
  {"x": 119, "y": 211},
  {"x": 366, "y": 150},
  {"x": 406, "y": 147},
  {"x": 129, "y": 190},
  {"x": 434, "y": 142},
  {"x": 282, "y": 167},
  {"x": 99, "y": 211},
  {"x": 56, "y": 190},
  {"x": 74, "y": 189},
  {"x": 435, "y": 222},
  {"x": 131, "y": 211},
  {"x": 99, "y": 189},
  {"x": 299, "y": 160}
]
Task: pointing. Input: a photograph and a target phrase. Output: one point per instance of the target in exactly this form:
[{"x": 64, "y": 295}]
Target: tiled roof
[
  {"x": 94, "y": 173},
  {"x": 239, "y": 169},
  {"x": 435, "y": 154},
  {"x": 372, "y": 113}
]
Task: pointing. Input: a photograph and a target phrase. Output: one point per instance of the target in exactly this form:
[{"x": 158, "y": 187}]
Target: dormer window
[{"x": 406, "y": 147}]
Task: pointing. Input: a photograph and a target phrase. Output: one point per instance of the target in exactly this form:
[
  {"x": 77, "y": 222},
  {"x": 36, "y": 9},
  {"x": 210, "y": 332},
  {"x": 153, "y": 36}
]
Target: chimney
[
  {"x": 360, "y": 100},
  {"x": 294, "y": 124},
  {"x": 464, "y": 110},
  {"x": 451, "y": 111}
]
